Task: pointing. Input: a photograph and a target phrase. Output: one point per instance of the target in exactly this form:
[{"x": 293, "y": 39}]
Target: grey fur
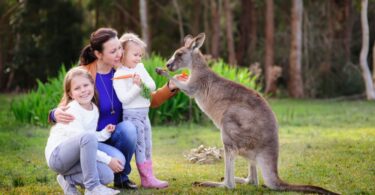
[{"x": 247, "y": 124}]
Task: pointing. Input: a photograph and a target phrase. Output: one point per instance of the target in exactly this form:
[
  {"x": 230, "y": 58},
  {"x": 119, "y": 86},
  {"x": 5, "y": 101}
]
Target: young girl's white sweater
[
  {"x": 85, "y": 120},
  {"x": 129, "y": 93}
]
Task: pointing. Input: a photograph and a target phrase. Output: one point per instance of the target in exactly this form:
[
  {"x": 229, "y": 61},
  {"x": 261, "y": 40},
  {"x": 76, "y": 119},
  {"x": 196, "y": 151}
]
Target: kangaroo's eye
[{"x": 178, "y": 54}]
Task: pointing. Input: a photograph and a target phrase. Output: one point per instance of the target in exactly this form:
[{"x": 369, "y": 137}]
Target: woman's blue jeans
[{"x": 121, "y": 145}]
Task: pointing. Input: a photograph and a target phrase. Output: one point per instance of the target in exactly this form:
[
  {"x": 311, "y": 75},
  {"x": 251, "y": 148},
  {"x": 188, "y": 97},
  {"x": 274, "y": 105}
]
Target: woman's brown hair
[{"x": 97, "y": 39}]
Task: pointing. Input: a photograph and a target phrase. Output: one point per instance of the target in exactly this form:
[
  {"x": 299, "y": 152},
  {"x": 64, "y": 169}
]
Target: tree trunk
[
  {"x": 229, "y": 29},
  {"x": 269, "y": 50},
  {"x": 97, "y": 12},
  {"x": 126, "y": 17},
  {"x": 206, "y": 26},
  {"x": 1, "y": 65},
  {"x": 348, "y": 29},
  {"x": 144, "y": 23},
  {"x": 179, "y": 18},
  {"x": 253, "y": 30},
  {"x": 295, "y": 85},
  {"x": 370, "y": 93},
  {"x": 215, "y": 15},
  {"x": 326, "y": 66},
  {"x": 244, "y": 31},
  {"x": 196, "y": 20},
  {"x": 373, "y": 64}
]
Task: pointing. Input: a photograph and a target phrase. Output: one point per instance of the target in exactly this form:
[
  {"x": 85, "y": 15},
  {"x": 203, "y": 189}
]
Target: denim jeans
[
  {"x": 123, "y": 141},
  {"x": 75, "y": 158}
]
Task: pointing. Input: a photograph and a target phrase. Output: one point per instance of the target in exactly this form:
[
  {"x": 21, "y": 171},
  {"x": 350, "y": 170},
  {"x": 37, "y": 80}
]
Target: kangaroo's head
[{"x": 183, "y": 57}]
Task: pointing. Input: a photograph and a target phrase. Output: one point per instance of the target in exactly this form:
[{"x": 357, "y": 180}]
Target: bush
[{"x": 34, "y": 107}]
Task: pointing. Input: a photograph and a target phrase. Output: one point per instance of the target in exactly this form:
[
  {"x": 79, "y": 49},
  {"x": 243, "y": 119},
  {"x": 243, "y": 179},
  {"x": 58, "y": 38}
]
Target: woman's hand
[
  {"x": 116, "y": 165},
  {"x": 137, "y": 79},
  {"x": 110, "y": 128},
  {"x": 62, "y": 116},
  {"x": 179, "y": 77}
]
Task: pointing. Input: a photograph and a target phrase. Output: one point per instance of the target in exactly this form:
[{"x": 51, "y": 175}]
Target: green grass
[{"x": 325, "y": 143}]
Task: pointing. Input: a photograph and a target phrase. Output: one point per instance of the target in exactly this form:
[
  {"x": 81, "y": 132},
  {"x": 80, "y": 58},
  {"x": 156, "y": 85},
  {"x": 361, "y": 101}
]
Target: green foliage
[
  {"x": 346, "y": 81},
  {"x": 146, "y": 92},
  {"x": 34, "y": 107}
]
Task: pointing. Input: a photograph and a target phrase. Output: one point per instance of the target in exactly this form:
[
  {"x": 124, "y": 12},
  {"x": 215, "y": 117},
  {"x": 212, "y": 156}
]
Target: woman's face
[{"x": 112, "y": 52}]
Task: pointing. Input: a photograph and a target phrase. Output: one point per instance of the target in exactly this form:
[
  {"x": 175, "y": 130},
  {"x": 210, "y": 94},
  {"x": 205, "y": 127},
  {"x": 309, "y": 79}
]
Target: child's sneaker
[
  {"x": 101, "y": 190},
  {"x": 69, "y": 189}
]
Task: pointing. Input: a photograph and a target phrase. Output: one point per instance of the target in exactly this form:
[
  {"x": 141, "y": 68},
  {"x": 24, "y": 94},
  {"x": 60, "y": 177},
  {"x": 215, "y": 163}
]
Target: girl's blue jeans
[{"x": 121, "y": 145}]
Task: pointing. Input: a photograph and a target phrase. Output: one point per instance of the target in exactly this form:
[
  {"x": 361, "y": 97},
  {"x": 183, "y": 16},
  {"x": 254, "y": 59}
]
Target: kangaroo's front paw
[{"x": 161, "y": 71}]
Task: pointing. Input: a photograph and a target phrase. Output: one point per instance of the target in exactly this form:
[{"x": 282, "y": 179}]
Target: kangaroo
[{"x": 247, "y": 124}]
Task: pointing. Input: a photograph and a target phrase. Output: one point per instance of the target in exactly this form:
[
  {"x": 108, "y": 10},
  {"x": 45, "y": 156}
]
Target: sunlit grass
[{"x": 325, "y": 143}]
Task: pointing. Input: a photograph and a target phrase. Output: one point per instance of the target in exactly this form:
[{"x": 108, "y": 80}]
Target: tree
[
  {"x": 215, "y": 15},
  {"x": 229, "y": 31},
  {"x": 366, "y": 75},
  {"x": 179, "y": 18},
  {"x": 43, "y": 41},
  {"x": 295, "y": 84},
  {"x": 144, "y": 23},
  {"x": 269, "y": 50},
  {"x": 373, "y": 64},
  {"x": 245, "y": 26},
  {"x": 7, "y": 10}
]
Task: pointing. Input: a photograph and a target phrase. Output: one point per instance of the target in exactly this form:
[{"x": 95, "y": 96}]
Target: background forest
[
  {"x": 314, "y": 56},
  {"x": 37, "y": 37}
]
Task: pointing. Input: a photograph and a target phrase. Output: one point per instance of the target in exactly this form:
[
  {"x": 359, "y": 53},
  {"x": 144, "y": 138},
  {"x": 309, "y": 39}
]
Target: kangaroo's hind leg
[
  {"x": 229, "y": 181},
  {"x": 252, "y": 177}
]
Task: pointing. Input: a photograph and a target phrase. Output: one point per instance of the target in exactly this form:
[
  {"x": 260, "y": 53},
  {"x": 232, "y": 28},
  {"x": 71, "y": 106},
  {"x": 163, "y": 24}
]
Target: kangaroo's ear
[
  {"x": 197, "y": 42},
  {"x": 187, "y": 40}
]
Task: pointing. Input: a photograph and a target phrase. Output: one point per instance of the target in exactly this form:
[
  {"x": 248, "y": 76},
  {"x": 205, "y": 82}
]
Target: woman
[{"x": 100, "y": 58}]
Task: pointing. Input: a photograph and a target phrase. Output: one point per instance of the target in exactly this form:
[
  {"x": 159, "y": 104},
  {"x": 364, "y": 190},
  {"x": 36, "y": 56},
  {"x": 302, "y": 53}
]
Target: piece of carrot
[
  {"x": 126, "y": 76},
  {"x": 185, "y": 74}
]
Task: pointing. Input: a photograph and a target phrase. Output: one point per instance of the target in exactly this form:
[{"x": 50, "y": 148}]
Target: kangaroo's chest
[{"x": 214, "y": 112}]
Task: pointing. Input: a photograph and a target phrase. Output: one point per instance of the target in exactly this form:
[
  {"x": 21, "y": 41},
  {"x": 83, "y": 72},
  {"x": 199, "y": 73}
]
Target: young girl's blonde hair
[
  {"x": 131, "y": 37},
  {"x": 74, "y": 72}
]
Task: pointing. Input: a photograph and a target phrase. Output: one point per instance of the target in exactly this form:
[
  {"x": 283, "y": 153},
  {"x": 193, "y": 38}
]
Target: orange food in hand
[{"x": 127, "y": 76}]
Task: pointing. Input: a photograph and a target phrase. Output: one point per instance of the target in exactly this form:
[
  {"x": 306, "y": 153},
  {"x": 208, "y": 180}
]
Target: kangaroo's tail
[{"x": 268, "y": 165}]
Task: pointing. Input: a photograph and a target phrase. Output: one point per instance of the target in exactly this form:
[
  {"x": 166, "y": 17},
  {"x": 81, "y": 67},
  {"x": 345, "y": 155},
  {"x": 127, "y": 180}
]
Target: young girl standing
[
  {"x": 72, "y": 149},
  {"x": 135, "y": 104}
]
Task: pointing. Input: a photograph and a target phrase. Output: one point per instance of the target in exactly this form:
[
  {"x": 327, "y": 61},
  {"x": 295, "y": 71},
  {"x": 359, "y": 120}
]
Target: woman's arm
[
  {"x": 59, "y": 115},
  {"x": 161, "y": 95}
]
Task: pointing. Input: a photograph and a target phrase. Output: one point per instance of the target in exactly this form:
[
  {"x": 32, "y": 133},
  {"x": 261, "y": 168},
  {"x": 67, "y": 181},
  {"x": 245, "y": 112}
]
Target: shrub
[{"x": 34, "y": 107}]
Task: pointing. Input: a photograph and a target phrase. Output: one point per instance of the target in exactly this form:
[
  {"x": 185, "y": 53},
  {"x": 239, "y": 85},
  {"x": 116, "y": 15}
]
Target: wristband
[{"x": 52, "y": 115}]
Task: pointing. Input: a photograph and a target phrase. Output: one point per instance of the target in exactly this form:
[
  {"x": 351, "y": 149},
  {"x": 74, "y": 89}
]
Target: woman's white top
[{"x": 85, "y": 120}]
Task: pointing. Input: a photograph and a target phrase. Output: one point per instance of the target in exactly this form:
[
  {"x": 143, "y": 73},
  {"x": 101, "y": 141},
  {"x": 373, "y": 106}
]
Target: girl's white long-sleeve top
[
  {"x": 84, "y": 120},
  {"x": 129, "y": 93}
]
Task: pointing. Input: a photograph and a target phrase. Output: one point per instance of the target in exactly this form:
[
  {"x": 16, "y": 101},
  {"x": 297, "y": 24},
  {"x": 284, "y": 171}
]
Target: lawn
[{"x": 322, "y": 142}]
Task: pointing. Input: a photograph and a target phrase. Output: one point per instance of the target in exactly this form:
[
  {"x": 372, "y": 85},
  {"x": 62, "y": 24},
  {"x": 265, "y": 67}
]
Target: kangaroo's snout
[{"x": 170, "y": 66}]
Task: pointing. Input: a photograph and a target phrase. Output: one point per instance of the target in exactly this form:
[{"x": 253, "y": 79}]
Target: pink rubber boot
[{"x": 148, "y": 179}]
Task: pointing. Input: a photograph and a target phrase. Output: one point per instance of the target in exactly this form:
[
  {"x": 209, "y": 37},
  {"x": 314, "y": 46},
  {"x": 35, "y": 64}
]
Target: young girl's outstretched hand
[{"x": 110, "y": 128}]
